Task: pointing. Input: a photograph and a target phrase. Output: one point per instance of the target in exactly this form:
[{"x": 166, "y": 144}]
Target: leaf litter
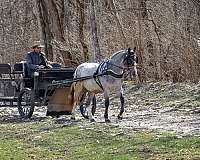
[{"x": 159, "y": 106}]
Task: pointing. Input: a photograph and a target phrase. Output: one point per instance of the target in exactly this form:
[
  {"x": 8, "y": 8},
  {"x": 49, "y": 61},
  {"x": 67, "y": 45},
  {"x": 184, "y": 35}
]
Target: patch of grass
[
  {"x": 50, "y": 140},
  {"x": 12, "y": 149},
  {"x": 167, "y": 95}
]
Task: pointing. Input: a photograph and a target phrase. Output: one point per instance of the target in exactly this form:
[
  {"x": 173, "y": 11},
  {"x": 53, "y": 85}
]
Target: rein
[
  {"x": 112, "y": 73},
  {"x": 121, "y": 67},
  {"x": 108, "y": 72},
  {"x": 117, "y": 66}
]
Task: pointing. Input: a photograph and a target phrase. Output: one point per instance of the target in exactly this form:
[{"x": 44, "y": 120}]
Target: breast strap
[{"x": 96, "y": 77}]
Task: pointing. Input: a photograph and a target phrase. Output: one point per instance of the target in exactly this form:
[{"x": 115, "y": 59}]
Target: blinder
[{"x": 130, "y": 58}]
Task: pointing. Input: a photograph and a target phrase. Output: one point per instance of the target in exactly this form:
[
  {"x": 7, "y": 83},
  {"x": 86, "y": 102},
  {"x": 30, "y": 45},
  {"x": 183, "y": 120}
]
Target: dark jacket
[{"x": 34, "y": 59}]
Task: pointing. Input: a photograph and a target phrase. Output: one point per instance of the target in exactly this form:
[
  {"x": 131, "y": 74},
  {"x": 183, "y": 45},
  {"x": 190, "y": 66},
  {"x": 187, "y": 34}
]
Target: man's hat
[{"x": 37, "y": 44}]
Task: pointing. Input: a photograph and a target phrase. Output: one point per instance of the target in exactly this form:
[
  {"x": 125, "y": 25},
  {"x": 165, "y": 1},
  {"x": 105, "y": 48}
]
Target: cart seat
[
  {"x": 5, "y": 71},
  {"x": 21, "y": 68}
]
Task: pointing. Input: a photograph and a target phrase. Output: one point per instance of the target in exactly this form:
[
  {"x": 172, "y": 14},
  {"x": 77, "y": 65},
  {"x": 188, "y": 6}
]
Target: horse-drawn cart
[
  {"x": 48, "y": 87},
  {"x": 52, "y": 87},
  {"x": 39, "y": 90}
]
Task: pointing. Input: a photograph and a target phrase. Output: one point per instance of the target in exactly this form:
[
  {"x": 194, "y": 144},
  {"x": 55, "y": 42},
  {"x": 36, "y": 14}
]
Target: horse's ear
[
  {"x": 134, "y": 49},
  {"x": 129, "y": 50}
]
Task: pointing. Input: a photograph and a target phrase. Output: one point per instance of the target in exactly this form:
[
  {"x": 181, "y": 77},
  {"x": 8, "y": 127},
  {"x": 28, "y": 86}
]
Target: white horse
[{"x": 103, "y": 78}]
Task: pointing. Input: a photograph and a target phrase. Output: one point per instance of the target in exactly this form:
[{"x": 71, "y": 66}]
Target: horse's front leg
[
  {"x": 107, "y": 102},
  {"x": 120, "y": 115},
  {"x": 90, "y": 97}
]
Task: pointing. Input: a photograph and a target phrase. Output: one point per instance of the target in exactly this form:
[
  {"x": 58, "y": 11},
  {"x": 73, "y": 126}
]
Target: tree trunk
[
  {"x": 119, "y": 24},
  {"x": 52, "y": 22},
  {"x": 46, "y": 31},
  {"x": 81, "y": 9},
  {"x": 97, "y": 57},
  {"x": 142, "y": 75}
]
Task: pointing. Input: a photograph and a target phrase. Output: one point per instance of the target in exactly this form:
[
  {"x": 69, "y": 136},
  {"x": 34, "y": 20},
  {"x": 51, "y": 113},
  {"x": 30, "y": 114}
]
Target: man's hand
[{"x": 40, "y": 67}]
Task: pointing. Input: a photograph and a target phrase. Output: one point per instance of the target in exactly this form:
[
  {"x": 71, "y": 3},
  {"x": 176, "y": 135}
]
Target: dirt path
[
  {"x": 154, "y": 106},
  {"x": 163, "y": 107}
]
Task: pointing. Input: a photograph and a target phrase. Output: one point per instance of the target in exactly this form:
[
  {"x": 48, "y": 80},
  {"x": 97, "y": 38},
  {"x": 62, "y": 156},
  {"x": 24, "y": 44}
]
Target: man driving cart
[{"x": 36, "y": 59}]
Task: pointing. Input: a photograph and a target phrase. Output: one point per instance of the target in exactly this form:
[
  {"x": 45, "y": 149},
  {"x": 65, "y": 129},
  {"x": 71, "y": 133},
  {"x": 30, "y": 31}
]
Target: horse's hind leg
[
  {"x": 122, "y": 106},
  {"x": 78, "y": 94}
]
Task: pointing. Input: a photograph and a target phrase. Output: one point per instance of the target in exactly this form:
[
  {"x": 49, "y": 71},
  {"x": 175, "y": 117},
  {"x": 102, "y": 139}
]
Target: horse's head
[
  {"x": 124, "y": 60},
  {"x": 130, "y": 59}
]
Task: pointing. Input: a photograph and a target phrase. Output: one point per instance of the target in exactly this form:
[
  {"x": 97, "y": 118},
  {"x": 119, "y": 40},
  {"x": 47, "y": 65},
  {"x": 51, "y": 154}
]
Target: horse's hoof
[
  {"x": 92, "y": 120},
  {"x": 107, "y": 121},
  {"x": 73, "y": 118},
  {"x": 119, "y": 117}
]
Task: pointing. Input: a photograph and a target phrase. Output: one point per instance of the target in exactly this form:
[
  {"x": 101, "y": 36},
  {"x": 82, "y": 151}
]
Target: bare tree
[
  {"x": 81, "y": 9},
  {"x": 52, "y": 22},
  {"x": 166, "y": 33},
  {"x": 118, "y": 20},
  {"x": 95, "y": 39}
]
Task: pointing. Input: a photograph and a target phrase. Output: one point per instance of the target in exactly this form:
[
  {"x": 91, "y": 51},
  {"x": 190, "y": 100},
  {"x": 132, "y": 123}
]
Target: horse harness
[{"x": 103, "y": 70}]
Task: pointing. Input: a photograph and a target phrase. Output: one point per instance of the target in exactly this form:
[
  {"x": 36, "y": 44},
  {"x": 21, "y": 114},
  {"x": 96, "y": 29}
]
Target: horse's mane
[{"x": 116, "y": 53}]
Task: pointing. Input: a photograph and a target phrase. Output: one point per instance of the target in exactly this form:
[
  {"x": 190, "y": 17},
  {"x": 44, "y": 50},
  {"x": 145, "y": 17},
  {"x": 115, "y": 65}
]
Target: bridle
[{"x": 129, "y": 60}]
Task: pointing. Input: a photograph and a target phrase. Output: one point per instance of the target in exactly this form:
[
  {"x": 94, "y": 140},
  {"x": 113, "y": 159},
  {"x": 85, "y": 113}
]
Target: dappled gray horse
[{"x": 103, "y": 78}]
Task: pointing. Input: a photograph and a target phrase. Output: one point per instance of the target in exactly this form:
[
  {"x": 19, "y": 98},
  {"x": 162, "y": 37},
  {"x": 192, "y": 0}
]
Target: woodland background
[{"x": 166, "y": 33}]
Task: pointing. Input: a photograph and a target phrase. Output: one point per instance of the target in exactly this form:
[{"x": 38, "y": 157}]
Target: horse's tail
[
  {"x": 72, "y": 94},
  {"x": 74, "y": 83},
  {"x": 77, "y": 89}
]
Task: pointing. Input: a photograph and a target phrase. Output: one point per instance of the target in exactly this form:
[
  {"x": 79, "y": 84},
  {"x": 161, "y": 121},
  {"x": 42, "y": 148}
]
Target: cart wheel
[
  {"x": 83, "y": 108},
  {"x": 26, "y": 103}
]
